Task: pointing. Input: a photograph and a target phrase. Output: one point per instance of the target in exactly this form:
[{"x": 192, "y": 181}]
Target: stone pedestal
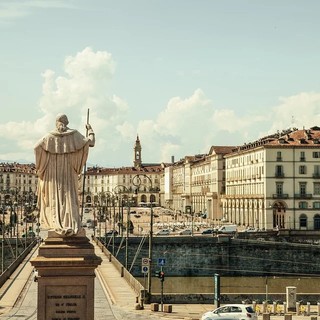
[{"x": 66, "y": 278}]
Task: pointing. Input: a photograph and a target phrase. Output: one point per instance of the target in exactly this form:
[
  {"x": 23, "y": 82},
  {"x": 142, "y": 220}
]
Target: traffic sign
[
  {"x": 145, "y": 269},
  {"x": 145, "y": 261},
  {"x": 161, "y": 262}
]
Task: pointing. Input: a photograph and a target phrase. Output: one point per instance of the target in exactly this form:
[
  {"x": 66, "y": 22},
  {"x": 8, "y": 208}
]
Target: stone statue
[{"x": 60, "y": 157}]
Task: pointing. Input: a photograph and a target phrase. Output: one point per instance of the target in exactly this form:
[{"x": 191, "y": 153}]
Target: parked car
[
  {"x": 228, "y": 228},
  {"x": 208, "y": 231},
  {"x": 230, "y": 312},
  {"x": 185, "y": 232},
  {"x": 163, "y": 232}
]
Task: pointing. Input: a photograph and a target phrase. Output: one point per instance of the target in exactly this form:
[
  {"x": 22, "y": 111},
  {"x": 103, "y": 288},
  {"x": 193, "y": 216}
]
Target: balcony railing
[
  {"x": 280, "y": 196},
  {"x": 316, "y": 175},
  {"x": 279, "y": 175},
  {"x": 303, "y": 195}
]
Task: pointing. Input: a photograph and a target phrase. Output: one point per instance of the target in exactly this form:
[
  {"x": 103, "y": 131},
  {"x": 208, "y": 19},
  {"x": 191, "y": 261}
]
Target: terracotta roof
[
  {"x": 17, "y": 167},
  {"x": 286, "y": 138},
  {"x": 221, "y": 149}
]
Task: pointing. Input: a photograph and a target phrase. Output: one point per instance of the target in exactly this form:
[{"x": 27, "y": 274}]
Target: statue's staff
[{"x": 84, "y": 172}]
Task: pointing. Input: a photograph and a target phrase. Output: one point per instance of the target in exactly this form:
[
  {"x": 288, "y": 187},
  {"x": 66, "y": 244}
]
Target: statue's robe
[{"x": 60, "y": 158}]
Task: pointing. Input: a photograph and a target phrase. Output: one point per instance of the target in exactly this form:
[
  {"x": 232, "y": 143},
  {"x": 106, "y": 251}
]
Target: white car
[
  {"x": 185, "y": 232},
  {"x": 163, "y": 232},
  {"x": 230, "y": 312}
]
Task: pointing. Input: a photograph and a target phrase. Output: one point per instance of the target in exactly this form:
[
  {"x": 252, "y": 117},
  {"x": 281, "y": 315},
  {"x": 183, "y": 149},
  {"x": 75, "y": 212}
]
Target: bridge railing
[{"x": 13, "y": 266}]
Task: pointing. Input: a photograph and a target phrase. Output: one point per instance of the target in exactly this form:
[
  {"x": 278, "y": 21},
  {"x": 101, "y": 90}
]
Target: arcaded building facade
[{"x": 274, "y": 183}]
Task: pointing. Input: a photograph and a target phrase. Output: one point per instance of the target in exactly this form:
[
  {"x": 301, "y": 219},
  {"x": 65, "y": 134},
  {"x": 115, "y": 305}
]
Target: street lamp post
[
  {"x": 128, "y": 228},
  {"x": 15, "y": 209},
  {"x": 121, "y": 201},
  {"x": 3, "y": 227},
  {"x": 136, "y": 180}
]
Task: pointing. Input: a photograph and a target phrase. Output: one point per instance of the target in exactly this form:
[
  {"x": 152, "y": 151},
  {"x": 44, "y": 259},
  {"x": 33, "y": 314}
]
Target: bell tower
[{"x": 137, "y": 153}]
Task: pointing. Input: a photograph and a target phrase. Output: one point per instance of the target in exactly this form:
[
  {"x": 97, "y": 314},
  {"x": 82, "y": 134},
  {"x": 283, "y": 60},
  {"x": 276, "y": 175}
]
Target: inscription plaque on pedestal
[{"x": 71, "y": 305}]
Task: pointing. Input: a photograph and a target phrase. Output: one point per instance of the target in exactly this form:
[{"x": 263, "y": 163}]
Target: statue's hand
[{"x": 88, "y": 126}]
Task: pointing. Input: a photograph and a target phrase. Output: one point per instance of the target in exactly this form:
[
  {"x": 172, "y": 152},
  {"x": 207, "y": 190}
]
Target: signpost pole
[
  {"x": 217, "y": 289},
  {"x": 162, "y": 292}
]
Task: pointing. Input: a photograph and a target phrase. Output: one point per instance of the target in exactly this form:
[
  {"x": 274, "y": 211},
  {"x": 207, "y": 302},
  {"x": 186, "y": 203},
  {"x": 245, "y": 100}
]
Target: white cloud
[
  {"x": 185, "y": 126},
  {"x": 85, "y": 86},
  {"x": 177, "y": 128},
  {"x": 301, "y": 110},
  {"x": 192, "y": 125}
]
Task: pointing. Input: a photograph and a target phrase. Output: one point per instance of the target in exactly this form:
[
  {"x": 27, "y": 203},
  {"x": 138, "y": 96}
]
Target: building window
[
  {"x": 302, "y": 169},
  {"x": 303, "y": 221},
  {"x": 279, "y": 156},
  {"x": 279, "y": 188},
  {"x": 316, "y": 154},
  {"x": 316, "y": 188},
  {"x": 303, "y": 204},
  {"x": 302, "y": 156},
  {"x": 316, "y": 222},
  {"x": 303, "y": 188},
  {"x": 279, "y": 171},
  {"x": 316, "y": 171},
  {"x": 316, "y": 205}
]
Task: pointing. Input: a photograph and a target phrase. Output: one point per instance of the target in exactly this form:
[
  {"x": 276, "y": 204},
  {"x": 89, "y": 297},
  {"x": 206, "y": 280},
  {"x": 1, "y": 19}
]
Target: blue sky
[{"x": 184, "y": 75}]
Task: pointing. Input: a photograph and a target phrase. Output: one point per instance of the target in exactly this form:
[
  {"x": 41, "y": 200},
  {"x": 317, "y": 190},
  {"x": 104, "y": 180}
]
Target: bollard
[
  {"x": 285, "y": 307},
  {"x": 297, "y": 308},
  {"x": 318, "y": 305},
  {"x": 154, "y": 306},
  {"x": 254, "y": 305},
  {"x": 264, "y": 306},
  {"x": 274, "y": 307},
  {"x": 167, "y": 308},
  {"x": 266, "y": 316},
  {"x": 308, "y": 309},
  {"x": 288, "y": 317}
]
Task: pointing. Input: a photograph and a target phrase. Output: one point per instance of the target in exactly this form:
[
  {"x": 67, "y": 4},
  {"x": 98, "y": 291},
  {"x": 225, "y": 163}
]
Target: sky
[{"x": 184, "y": 75}]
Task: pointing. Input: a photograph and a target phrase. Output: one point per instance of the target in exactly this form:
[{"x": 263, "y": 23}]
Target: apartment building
[
  {"x": 18, "y": 182},
  {"x": 275, "y": 182},
  {"x": 195, "y": 183}
]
